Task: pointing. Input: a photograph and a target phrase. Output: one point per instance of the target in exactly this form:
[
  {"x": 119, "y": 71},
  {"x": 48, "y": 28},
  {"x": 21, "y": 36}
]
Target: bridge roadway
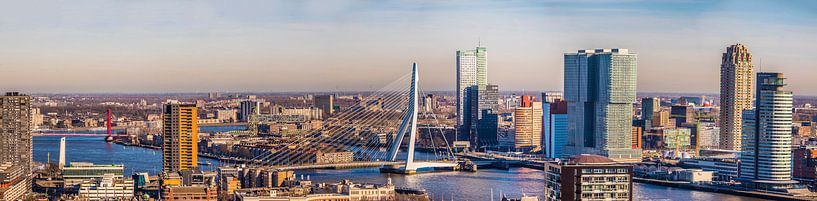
[
  {"x": 485, "y": 159},
  {"x": 74, "y": 134},
  {"x": 359, "y": 164}
]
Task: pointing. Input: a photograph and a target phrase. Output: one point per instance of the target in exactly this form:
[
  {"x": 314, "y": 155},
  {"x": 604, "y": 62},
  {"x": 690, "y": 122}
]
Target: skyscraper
[
  {"x": 528, "y": 124},
  {"x": 649, "y": 105},
  {"x": 600, "y": 90},
  {"x": 736, "y": 93},
  {"x": 554, "y": 127},
  {"x": 180, "y": 148},
  {"x": 765, "y": 159},
  {"x": 325, "y": 103},
  {"x": 15, "y": 145},
  {"x": 478, "y": 98},
  {"x": 429, "y": 103},
  {"x": 472, "y": 69},
  {"x": 551, "y": 101}
]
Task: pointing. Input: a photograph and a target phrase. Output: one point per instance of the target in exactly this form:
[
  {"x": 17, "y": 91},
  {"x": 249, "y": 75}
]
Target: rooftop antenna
[{"x": 479, "y": 41}]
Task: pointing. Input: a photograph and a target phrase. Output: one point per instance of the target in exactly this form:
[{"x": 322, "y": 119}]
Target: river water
[{"x": 462, "y": 185}]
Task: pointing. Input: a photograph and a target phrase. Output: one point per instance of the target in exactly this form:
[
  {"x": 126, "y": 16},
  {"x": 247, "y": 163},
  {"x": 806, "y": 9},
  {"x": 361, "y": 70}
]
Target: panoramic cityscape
[{"x": 408, "y": 100}]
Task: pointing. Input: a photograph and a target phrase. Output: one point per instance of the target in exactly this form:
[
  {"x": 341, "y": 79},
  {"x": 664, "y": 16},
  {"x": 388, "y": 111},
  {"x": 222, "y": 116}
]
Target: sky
[{"x": 284, "y": 46}]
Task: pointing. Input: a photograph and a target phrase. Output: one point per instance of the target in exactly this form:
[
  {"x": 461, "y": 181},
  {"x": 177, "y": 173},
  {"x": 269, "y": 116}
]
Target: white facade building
[
  {"x": 767, "y": 133},
  {"x": 109, "y": 187}
]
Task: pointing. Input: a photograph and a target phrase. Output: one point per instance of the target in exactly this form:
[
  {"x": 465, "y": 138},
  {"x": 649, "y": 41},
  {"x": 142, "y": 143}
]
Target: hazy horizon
[{"x": 304, "y": 46}]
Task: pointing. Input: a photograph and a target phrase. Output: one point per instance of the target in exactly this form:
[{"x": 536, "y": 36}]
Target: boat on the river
[{"x": 109, "y": 139}]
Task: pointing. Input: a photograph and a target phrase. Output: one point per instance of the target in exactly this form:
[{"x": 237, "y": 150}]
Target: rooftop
[{"x": 589, "y": 159}]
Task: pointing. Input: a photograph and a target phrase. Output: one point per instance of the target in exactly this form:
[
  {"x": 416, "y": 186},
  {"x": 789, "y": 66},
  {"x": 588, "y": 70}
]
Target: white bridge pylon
[{"x": 409, "y": 125}]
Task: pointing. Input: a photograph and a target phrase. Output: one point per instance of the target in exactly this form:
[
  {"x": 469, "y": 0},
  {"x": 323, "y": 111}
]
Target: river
[{"x": 461, "y": 185}]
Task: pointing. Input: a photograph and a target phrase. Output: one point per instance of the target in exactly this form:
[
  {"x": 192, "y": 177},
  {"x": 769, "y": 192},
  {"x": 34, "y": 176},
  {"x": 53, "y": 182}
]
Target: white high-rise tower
[
  {"x": 62, "y": 153},
  {"x": 765, "y": 158}
]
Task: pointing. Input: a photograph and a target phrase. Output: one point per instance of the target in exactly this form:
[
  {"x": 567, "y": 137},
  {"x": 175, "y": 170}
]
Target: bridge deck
[{"x": 365, "y": 164}]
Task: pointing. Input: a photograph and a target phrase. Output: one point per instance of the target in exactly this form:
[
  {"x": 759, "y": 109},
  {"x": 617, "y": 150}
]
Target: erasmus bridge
[{"x": 381, "y": 130}]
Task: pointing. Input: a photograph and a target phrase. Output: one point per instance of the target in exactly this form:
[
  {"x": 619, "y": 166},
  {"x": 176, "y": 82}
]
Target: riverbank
[
  {"x": 716, "y": 189},
  {"x": 203, "y": 155},
  {"x": 465, "y": 185}
]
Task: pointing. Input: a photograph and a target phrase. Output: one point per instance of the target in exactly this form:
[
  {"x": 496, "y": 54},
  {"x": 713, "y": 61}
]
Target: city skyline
[
  {"x": 114, "y": 47},
  {"x": 325, "y": 100}
]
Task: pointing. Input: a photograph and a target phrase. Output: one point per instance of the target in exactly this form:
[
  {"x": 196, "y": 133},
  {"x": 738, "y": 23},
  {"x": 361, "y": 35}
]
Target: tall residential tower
[
  {"x": 180, "y": 148},
  {"x": 736, "y": 93},
  {"x": 600, "y": 90},
  {"x": 15, "y": 146}
]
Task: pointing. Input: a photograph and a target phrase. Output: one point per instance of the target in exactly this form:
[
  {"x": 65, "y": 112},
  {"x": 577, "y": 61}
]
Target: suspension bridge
[
  {"x": 109, "y": 135},
  {"x": 381, "y": 130}
]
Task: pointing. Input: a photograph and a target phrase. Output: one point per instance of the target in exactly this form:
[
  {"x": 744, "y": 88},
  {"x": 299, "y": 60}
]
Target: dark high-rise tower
[
  {"x": 478, "y": 98},
  {"x": 325, "y": 103}
]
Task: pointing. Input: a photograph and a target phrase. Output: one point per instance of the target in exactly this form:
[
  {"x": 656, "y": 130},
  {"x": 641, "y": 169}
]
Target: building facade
[
  {"x": 180, "y": 147},
  {"x": 767, "y": 135},
  {"x": 661, "y": 119},
  {"x": 15, "y": 145},
  {"x": 600, "y": 90},
  {"x": 554, "y": 126},
  {"x": 736, "y": 94},
  {"x": 487, "y": 129},
  {"x": 472, "y": 69},
  {"x": 588, "y": 177},
  {"x": 478, "y": 98},
  {"x": 12, "y": 182},
  {"x": 248, "y": 108},
  {"x": 637, "y": 134},
  {"x": 649, "y": 105},
  {"x": 669, "y": 139},
  {"x": 78, "y": 172},
  {"x": 108, "y": 187},
  {"x": 726, "y": 169},
  {"x": 683, "y": 114},
  {"x": 528, "y": 125},
  {"x": 325, "y": 103},
  {"x": 805, "y": 163}
]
